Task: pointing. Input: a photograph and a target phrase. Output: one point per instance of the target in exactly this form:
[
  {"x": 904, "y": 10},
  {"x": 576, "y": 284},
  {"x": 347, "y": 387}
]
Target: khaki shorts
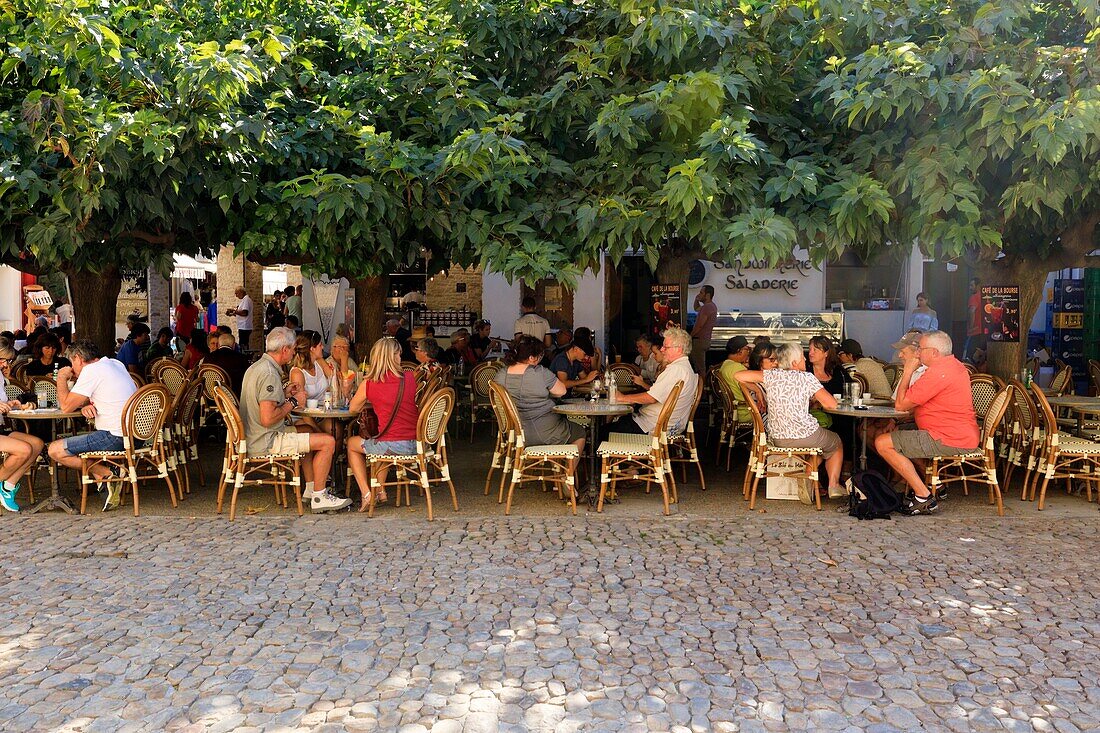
[
  {"x": 291, "y": 442},
  {"x": 921, "y": 444},
  {"x": 826, "y": 440}
]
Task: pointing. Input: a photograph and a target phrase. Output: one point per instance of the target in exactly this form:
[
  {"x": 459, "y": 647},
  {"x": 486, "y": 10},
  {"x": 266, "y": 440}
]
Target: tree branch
[{"x": 167, "y": 238}]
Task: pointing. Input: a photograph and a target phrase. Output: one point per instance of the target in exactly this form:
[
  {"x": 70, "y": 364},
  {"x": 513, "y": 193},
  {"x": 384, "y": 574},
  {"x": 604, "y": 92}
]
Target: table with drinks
[
  {"x": 54, "y": 414},
  {"x": 334, "y": 407},
  {"x": 861, "y": 405}
]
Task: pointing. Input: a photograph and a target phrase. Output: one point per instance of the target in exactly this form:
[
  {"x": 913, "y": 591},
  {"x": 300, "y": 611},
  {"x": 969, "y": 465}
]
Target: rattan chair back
[
  {"x": 171, "y": 375},
  {"x": 144, "y": 413},
  {"x": 432, "y": 423}
]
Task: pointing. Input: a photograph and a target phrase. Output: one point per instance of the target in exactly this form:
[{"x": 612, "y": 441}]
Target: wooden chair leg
[
  {"x": 517, "y": 472},
  {"x": 604, "y": 481}
]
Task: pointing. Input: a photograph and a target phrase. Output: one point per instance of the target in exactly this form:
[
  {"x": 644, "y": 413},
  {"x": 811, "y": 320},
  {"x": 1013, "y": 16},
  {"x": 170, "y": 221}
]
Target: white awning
[{"x": 190, "y": 267}]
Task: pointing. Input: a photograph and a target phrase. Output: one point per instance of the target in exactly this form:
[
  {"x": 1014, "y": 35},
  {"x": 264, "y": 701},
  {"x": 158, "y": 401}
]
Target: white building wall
[
  {"x": 11, "y": 299},
  {"x": 501, "y": 303}
]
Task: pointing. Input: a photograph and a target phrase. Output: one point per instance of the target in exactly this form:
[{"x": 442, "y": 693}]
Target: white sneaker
[
  {"x": 323, "y": 501},
  {"x": 308, "y": 494}
]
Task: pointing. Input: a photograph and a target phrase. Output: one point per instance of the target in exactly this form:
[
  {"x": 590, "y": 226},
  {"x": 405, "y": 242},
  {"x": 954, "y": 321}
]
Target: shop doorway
[
  {"x": 629, "y": 317},
  {"x": 553, "y": 300}
]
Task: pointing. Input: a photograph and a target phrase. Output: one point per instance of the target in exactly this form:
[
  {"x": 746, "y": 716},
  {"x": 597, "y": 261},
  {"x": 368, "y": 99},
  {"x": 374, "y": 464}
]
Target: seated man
[
  {"x": 676, "y": 347},
  {"x": 852, "y": 358},
  {"x": 567, "y": 366},
  {"x": 944, "y": 412},
  {"x": 102, "y": 388},
  {"x": 132, "y": 353},
  {"x": 265, "y": 407},
  {"x": 737, "y": 357},
  {"x": 459, "y": 350},
  {"x": 232, "y": 361},
  {"x": 162, "y": 347}
]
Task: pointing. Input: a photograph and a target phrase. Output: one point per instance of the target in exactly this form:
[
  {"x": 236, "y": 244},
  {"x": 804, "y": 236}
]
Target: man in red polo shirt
[{"x": 944, "y": 413}]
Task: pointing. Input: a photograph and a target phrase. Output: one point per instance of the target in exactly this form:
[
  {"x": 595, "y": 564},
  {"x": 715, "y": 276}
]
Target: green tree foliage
[{"x": 979, "y": 125}]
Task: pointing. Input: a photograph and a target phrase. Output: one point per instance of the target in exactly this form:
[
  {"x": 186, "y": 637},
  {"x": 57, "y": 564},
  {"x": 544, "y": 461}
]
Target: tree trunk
[
  {"x": 95, "y": 299},
  {"x": 673, "y": 268},
  {"x": 1005, "y": 360},
  {"x": 370, "y": 311}
]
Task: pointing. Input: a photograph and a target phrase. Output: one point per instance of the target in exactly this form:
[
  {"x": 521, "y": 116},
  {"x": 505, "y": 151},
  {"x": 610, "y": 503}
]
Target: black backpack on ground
[{"x": 870, "y": 496}]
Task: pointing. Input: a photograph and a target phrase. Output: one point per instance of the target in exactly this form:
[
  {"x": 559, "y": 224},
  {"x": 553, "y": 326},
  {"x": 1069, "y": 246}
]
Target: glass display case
[{"x": 779, "y": 327}]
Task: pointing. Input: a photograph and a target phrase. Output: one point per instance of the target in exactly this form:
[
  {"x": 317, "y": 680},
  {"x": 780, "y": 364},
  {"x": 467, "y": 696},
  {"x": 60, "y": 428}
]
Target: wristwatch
[{"x": 293, "y": 401}]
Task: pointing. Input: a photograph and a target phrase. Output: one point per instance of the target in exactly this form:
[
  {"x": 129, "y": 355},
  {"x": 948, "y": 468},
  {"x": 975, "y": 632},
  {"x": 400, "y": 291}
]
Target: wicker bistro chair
[
  {"x": 980, "y": 464},
  {"x": 861, "y": 380},
  {"x": 546, "y": 464},
  {"x": 1062, "y": 383},
  {"x": 431, "y": 454},
  {"x": 211, "y": 375},
  {"x": 426, "y": 388},
  {"x": 143, "y": 446},
  {"x": 1026, "y": 438},
  {"x": 624, "y": 373},
  {"x": 243, "y": 468},
  {"x": 627, "y": 457},
  {"x": 480, "y": 378},
  {"x": 504, "y": 443},
  {"x": 1094, "y": 376},
  {"x": 683, "y": 446},
  {"x": 1062, "y": 456},
  {"x": 732, "y": 430},
  {"x": 171, "y": 375},
  {"x": 983, "y": 388},
  {"x": 182, "y": 436},
  {"x": 809, "y": 458},
  {"x": 893, "y": 374}
]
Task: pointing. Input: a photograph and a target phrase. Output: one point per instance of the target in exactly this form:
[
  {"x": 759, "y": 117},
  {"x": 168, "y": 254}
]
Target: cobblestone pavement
[{"x": 332, "y": 623}]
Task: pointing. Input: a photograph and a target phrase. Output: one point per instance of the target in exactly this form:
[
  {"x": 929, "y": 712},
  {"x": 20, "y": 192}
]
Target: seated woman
[
  {"x": 426, "y": 352},
  {"x": 533, "y": 387},
  {"x": 47, "y": 357},
  {"x": 825, "y": 365},
  {"x": 342, "y": 365},
  {"x": 197, "y": 350},
  {"x": 396, "y": 419},
  {"x": 788, "y": 420},
  {"x": 20, "y": 449},
  {"x": 310, "y": 371},
  {"x": 762, "y": 357}
]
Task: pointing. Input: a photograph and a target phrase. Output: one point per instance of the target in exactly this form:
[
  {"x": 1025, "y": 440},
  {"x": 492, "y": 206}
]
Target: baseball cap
[
  {"x": 851, "y": 346},
  {"x": 735, "y": 344},
  {"x": 911, "y": 338}
]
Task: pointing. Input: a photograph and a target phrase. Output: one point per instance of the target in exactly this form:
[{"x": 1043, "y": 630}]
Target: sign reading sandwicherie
[{"x": 759, "y": 274}]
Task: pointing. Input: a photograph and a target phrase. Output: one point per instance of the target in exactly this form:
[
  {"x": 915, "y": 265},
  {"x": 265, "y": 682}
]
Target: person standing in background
[
  {"x": 973, "y": 318},
  {"x": 187, "y": 316},
  {"x": 531, "y": 323},
  {"x": 294, "y": 304},
  {"x": 64, "y": 319},
  {"x": 243, "y": 313},
  {"x": 923, "y": 318},
  {"x": 706, "y": 315}
]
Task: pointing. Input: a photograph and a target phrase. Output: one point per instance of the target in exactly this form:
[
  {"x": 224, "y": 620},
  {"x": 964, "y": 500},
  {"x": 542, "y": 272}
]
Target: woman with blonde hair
[
  {"x": 392, "y": 393},
  {"x": 20, "y": 449}
]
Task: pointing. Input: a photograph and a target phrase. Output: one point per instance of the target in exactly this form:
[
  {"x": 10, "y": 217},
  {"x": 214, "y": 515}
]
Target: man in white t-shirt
[
  {"x": 102, "y": 388},
  {"x": 244, "y": 315},
  {"x": 676, "y": 347},
  {"x": 531, "y": 323}
]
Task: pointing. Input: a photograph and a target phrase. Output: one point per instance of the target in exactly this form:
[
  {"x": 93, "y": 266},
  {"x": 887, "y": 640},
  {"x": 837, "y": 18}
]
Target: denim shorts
[
  {"x": 389, "y": 447},
  {"x": 99, "y": 440}
]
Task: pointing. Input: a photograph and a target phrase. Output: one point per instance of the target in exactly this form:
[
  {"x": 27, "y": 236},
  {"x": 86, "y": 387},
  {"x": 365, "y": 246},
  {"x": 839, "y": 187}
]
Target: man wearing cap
[
  {"x": 567, "y": 365},
  {"x": 852, "y": 358},
  {"x": 943, "y": 409},
  {"x": 908, "y": 347},
  {"x": 737, "y": 357}
]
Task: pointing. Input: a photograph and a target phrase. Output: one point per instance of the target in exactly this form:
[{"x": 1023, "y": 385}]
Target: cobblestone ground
[{"x": 331, "y": 623}]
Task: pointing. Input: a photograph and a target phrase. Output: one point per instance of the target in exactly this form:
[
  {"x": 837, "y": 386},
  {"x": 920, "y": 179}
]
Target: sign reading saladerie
[{"x": 754, "y": 275}]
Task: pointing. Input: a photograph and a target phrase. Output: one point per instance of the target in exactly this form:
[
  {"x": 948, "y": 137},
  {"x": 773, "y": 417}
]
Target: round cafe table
[
  {"x": 863, "y": 414},
  {"x": 595, "y": 411},
  {"x": 334, "y": 414},
  {"x": 55, "y": 500}
]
